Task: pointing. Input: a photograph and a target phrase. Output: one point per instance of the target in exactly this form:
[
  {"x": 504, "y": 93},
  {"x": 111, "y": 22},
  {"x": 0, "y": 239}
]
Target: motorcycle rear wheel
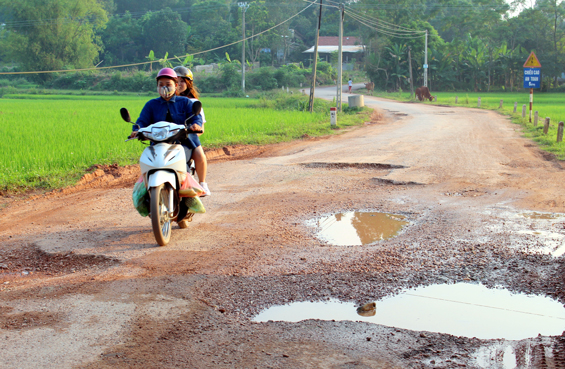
[{"x": 160, "y": 220}]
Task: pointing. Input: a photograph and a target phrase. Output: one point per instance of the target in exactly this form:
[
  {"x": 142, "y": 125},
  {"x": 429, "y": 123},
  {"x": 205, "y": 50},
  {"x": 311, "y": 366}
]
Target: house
[{"x": 351, "y": 46}]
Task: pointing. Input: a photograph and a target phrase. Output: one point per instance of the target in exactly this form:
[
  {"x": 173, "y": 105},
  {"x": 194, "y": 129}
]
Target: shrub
[{"x": 262, "y": 79}]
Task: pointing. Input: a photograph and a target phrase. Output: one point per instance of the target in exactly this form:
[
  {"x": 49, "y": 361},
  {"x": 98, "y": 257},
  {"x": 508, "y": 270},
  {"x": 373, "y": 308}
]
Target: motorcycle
[{"x": 164, "y": 171}]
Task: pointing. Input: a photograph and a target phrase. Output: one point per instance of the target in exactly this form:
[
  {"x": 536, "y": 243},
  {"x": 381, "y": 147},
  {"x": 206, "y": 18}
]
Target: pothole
[
  {"x": 352, "y": 165},
  {"x": 460, "y": 309},
  {"x": 356, "y": 228},
  {"x": 396, "y": 183},
  {"x": 535, "y": 215},
  {"x": 531, "y": 232}
]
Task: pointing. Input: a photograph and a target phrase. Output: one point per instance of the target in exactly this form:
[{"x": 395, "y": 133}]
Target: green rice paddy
[{"x": 50, "y": 140}]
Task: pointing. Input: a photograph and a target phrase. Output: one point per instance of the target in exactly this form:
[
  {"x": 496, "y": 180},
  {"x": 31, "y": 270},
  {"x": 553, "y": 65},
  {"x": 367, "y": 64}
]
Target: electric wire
[
  {"x": 387, "y": 32},
  {"x": 385, "y": 28},
  {"x": 149, "y": 62},
  {"x": 313, "y": 2},
  {"x": 392, "y": 34},
  {"x": 378, "y": 20}
]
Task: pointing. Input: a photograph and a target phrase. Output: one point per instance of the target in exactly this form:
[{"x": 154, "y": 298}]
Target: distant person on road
[
  {"x": 350, "y": 83},
  {"x": 186, "y": 88}
]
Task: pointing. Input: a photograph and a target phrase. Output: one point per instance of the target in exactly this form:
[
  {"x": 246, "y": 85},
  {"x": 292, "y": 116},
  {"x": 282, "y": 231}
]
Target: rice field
[{"x": 50, "y": 140}]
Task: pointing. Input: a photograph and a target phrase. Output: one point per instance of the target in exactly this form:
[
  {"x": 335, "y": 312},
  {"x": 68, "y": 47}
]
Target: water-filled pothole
[
  {"x": 359, "y": 228},
  {"x": 460, "y": 309},
  {"x": 530, "y": 232}
]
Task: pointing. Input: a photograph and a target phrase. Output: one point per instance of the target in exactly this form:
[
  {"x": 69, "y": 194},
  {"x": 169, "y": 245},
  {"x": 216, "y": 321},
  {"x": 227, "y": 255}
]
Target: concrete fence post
[
  {"x": 535, "y": 118},
  {"x": 479, "y": 103},
  {"x": 456, "y": 98},
  {"x": 500, "y": 106},
  {"x": 546, "y": 126},
  {"x": 515, "y": 106},
  {"x": 523, "y": 111},
  {"x": 560, "y": 132}
]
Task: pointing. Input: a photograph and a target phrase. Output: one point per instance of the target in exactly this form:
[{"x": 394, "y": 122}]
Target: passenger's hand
[
  {"x": 196, "y": 128},
  {"x": 133, "y": 134}
]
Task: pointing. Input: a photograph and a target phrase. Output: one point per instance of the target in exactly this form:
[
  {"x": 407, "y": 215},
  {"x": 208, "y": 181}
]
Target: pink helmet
[{"x": 168, "y": 73}]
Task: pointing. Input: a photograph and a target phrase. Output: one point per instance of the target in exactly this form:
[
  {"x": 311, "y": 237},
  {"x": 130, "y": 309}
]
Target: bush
[
  {"x": 262, "y": 79},
  {"x": 233, "y": 93},
  {"x": 231, "y": 77},
  {"x": 284, "y": 101},
  {"x": 7, "y": 90}
]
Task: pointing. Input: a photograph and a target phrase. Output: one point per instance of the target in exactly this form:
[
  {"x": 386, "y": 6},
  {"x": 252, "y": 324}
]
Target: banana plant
[
  {"x": 187, "y": 62},
  {"x": 151, "y": 58},
  {"x": 165, "y": 63},
  {"x": 475, "y": 58},
  {"x": 399, "y": 70}
]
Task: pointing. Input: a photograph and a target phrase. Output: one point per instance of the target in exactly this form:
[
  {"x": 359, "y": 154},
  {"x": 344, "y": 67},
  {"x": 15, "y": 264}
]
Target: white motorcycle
[{"x": 164, "y": 168}]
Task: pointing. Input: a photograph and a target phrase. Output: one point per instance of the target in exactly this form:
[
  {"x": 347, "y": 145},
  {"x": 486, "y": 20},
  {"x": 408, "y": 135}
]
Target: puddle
[
  {"x": 530, "y": 232},
  {"x": 539, "y": 215},
  {"x": 359, "y": 228},
  {"x": 460, "y": 309}
]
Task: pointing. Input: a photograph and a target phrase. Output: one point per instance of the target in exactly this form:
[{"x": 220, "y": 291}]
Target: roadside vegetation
[{"x": 50, "y": 140}]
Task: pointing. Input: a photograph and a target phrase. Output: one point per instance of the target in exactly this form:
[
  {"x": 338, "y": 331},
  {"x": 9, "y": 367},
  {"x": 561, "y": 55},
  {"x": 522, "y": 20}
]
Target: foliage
[
  {"x": 58, "y": 34},
  {"x": 164, "y": 32},
  {"x": 472, "y": 45}
]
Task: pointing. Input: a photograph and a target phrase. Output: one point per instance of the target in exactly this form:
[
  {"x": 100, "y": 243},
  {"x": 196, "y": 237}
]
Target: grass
[
  {"x": 50, "y": 140},
  {"x": 550, "y": 105}
]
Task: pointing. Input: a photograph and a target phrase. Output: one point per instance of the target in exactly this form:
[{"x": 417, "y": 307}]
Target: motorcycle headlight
[{"x": 159, "y": 133}]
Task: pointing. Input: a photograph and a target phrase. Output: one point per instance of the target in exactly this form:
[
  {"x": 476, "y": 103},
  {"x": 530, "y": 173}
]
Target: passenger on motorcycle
[
  {"x": 171, "y": 108},
  {"x": 186, "y": 88}
]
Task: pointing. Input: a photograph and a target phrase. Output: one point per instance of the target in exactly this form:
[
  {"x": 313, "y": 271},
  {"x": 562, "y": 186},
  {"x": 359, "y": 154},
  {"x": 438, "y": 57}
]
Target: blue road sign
[{"x": 532, "y": 77}]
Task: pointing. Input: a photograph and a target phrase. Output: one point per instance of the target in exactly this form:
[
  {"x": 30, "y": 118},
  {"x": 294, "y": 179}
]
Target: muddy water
[
  {"x": 460, "y": 309},
  {"x": 359, "y": 228},
  {"x": 539, "y": 215}
]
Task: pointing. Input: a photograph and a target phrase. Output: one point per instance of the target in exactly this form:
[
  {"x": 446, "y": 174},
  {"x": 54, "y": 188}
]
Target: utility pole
[
  {"x": 340, "y": 57},
  {"x": 426, "y": 61},
  {"x": 243, "y": 6},
  {"x": 313, "y": 86},
  {"x": 410, "y": 66}
]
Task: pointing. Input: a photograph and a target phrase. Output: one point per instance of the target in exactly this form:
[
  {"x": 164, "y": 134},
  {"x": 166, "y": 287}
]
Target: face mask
[{"x": 166, "y": 92}]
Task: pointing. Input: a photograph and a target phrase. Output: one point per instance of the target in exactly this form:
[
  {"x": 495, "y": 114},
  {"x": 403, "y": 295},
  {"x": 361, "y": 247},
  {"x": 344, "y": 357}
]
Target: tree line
[{"x": 475, "y": 45}]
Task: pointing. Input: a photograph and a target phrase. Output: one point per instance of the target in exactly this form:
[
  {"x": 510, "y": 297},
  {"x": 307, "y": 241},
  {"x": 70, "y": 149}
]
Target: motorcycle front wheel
[{"x": 160, "y": 219}]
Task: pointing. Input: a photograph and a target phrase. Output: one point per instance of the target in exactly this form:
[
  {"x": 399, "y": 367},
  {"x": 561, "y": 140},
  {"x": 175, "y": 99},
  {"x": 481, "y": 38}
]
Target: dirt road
[{"x": 84, "y": 285}]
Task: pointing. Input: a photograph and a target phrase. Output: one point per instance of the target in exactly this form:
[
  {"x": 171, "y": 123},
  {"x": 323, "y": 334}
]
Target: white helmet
[{"x": 183, "y": 71}]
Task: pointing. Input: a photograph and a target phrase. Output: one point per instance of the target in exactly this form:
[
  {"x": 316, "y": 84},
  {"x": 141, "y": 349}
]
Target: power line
[
  {"x": 388, "y": 33},
  {"x": 385, "y": 24},
  {"x": 149, "y": 62}
]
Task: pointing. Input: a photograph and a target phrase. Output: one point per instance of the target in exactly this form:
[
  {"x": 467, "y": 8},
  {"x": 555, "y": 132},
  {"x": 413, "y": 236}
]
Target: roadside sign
[
  {"x": 532, "y": 61},
  {"x": 532, "y": 77},
  {"x": 425, "y": 66}
]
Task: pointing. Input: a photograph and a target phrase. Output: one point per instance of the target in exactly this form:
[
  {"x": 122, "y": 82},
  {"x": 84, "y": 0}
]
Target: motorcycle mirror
[
  {"x": 125, "y": 115},
  {"x": 196, "y": 107}
]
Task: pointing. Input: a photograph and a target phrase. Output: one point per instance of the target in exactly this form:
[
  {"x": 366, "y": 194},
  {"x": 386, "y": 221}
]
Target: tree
[
  {"x": 53, "y": 34},
  {"x": 122, "y": 40},
  {"x": 164, "y": 32}
]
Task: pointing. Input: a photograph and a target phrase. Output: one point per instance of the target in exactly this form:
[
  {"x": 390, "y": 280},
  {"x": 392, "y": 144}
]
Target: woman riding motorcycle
[
  {"x": 170, "y": 108},
  {"x": 186, "y": 88}
]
